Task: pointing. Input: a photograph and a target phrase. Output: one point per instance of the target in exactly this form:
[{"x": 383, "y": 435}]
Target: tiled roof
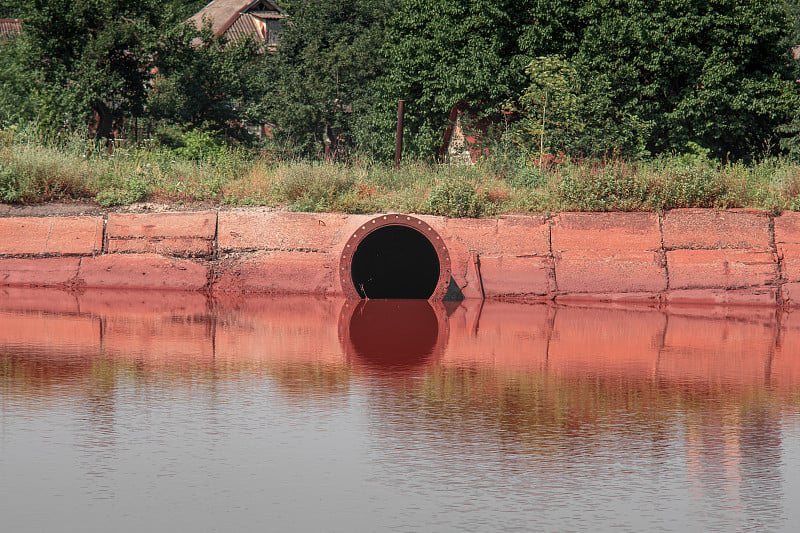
[
  {"x": 10, "y": 28},
  {"x": 232, "y": 15}
]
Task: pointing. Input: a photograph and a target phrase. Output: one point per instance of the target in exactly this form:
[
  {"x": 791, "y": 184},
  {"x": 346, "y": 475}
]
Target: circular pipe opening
[
  {"x": 395, "y": 257},
  {"x": 395, "y": 262}
]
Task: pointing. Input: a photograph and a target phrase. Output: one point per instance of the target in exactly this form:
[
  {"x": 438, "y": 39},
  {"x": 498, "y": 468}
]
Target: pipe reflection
[{"x": 392, "y": 335}]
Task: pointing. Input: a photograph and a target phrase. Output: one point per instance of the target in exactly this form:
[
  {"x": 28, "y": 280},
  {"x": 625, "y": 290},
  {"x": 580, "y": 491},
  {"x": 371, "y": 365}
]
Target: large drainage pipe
[{"x": 395, "y": 256}]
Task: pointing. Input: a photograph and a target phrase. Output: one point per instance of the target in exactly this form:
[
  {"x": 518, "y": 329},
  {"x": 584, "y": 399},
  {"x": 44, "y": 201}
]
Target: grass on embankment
[{"x": 32, "y": 171}]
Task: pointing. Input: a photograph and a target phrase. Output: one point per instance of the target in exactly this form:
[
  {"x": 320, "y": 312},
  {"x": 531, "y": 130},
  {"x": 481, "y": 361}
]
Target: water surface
[{"x": 138, "y": 411}]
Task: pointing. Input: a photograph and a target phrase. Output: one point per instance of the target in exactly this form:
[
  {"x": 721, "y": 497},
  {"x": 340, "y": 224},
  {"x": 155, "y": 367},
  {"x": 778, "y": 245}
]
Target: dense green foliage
[
  {"x": 205, "y": 83},
  {"x": 316, "y": 85},
  {"x": 548, "y": 80},
  {"x": 707, "y": 72},
  {"x": 449, "y": 53}
]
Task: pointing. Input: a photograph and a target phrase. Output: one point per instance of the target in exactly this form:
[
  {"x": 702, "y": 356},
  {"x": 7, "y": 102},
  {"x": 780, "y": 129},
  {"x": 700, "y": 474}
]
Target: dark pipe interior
[{"x": 395, "y": 262}]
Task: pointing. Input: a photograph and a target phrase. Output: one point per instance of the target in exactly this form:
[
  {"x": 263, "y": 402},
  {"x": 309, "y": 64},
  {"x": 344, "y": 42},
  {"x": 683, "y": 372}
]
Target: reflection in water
[
  {"x": 392, "y": 334},
  {"x": 323, "y": 414}
]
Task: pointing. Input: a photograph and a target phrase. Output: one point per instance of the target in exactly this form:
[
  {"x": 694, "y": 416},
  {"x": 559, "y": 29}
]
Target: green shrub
[
  {"x": 457, "y": 198},
  {"x": 613, "y": 187}
]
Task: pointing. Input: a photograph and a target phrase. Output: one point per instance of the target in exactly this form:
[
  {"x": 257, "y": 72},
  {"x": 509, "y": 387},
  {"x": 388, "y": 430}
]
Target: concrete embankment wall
[{"x": 682, "y": 256}]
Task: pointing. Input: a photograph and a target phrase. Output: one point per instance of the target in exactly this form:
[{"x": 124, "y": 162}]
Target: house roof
[
  {"x": 10, "y": 28},
  {"x": 224, "y": 14}
]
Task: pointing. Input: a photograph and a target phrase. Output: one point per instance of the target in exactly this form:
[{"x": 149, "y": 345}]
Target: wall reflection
[{"x": 534, "y": 375}]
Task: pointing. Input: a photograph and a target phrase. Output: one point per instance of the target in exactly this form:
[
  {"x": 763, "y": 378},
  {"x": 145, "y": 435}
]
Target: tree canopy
[{"x": 626, "y": 77}]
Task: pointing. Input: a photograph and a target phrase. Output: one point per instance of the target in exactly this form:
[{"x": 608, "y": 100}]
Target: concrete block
[
  {"x": 509, "y": 275},
  {"x": 51, "y": 235},
  {"x": 179, "y": 234},
  {"x": 606, "y": 231},
  {"x": 278, "y": 230},
  {"x": 787, "y": 228},
  {"x": 712, "y": 229},
  {"x": 279, "y": 272},
  {"x": 142, "y": 271},
  {"x": 720, "y": 269},
  {"x": 789, "y": 255},
  {"x": 523, "y": 235},
  {"x": 202, "y": 225},
  {"x": 508, "y": 235},
  {"x": 609, "y": 271},
  {"x": 43, "y": 272},
  {"x": 790, "y": 294}
]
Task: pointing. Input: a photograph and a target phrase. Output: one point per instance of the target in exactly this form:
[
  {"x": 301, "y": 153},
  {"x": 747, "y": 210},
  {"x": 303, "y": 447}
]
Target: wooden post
[{"x": 398, "y": 147}]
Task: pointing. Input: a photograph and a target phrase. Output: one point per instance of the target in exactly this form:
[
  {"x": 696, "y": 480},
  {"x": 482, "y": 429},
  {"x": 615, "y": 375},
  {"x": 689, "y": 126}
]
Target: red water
[{"x": 166, "y": 410}]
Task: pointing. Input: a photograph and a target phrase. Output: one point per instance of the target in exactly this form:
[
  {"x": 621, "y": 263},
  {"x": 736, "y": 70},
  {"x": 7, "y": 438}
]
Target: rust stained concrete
[{"x": 682, "y": 256}]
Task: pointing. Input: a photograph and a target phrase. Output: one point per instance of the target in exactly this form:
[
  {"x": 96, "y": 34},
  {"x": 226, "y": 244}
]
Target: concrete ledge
[
  {"x": 606, "y": 231},
  {"x": 142, "y": 271},
  {"x": 683, "y": 256},
  {"x": 763, "y": 296},
  {"x": 277, "y": 230},
  {"x": 712, "y": 229},
  {"x": 177, "y": 234},
  {"x": 723, "y": 269},
  {"x": 610, "y": 271},
  {"x": 46, "y": 271},
  {"x": 278, "y": 272},
  {"x": 51, "y": 236}
]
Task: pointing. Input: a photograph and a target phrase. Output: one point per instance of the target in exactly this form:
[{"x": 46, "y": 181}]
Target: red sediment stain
[{"x": 571, "y": 256}]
